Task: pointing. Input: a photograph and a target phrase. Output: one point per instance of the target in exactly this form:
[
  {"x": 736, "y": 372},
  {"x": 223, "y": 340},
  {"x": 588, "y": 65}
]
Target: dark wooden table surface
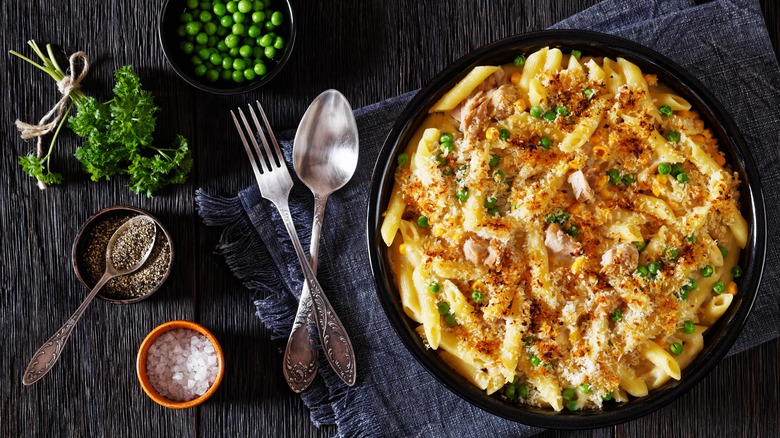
[{"x": 370, "y": 50}]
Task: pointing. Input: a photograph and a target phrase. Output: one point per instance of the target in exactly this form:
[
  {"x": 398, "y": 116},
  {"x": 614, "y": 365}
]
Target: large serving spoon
[
  {"x": 325, "y": 154},
  {"x": 117, "y": 253}
]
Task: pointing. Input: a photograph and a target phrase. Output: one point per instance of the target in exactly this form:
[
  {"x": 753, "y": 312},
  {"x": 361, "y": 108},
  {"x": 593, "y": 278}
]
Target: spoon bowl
[
  {"x": 325, "y": 154},
  {"x": 325, "y": 150}
]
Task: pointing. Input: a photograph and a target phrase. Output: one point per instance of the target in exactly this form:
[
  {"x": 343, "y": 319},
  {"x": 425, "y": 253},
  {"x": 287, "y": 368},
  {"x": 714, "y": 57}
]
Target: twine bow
[{"x": 48, "y": 123}]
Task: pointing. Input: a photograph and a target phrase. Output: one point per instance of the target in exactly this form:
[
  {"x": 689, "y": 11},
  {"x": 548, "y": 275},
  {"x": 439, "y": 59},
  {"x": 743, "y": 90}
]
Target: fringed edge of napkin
[{"x": 275, "y": 304}]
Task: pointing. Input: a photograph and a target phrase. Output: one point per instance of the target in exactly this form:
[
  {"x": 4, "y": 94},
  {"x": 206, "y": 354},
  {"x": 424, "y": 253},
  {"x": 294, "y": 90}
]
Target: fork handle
[
  {"x": 300, "y": 357},
  {"x": 335, "y": 342}
]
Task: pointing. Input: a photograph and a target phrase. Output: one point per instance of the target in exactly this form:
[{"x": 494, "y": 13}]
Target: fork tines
[{"x": 269, "y": 160}]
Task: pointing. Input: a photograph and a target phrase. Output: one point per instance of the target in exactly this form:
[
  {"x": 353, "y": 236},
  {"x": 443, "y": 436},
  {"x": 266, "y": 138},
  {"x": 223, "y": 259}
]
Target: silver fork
[{"x": 275, "y": 184}]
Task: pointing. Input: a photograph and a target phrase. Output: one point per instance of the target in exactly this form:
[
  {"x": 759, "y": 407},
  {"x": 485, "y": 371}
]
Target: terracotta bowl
[{"x": 144, "y": 350}]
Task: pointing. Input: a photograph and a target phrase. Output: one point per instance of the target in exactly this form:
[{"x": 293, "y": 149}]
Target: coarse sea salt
[{"x": 181, "y": 364}]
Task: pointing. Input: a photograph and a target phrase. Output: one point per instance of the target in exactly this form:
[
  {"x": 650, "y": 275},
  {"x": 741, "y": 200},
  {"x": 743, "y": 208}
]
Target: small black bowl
[
  {"x": 718, "y": 339},
  {"x": 168, "y": 22}
]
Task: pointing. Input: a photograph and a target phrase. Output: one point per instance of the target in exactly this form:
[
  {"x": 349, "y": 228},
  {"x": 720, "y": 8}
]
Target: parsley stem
[{"x": 57, "y": 133}]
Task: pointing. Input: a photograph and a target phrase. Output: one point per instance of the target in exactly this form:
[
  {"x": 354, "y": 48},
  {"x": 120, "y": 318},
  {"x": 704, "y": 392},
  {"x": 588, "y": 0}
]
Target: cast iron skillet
[{"x": 717, "y": 340}]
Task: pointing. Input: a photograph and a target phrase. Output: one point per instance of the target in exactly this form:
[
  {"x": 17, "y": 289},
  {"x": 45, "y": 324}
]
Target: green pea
[
  {"x": 477, "y": 296},
  {"x": 443, "y": 308},
  {"x": 576, "y": 54},
  {"x": 616, "y": 315},
  {"x": 504, "y": 134},
  {"x": 494, "y": 160},
  {"x": 642, "y": 271},
  {"x": 201, "y": 38},
  {"x": 640, "y": 246},
  {"x": 676, "y": 348},
  {"x": 682, "y": 178},
  {"x": 434, "y": 287},
  {"x": 706, "y": 271},
  {"x": 522, "y": 390},
  {"x": 490, "y": 202},
  {"x": 244, "y": 6},
  {"x": 499, "y": 176},
  {"x": 212, "y": 75},
  {"x": 536, "y": 111},
  {"x": 257, "y": 52},
  {"x": 195, "y": 60},
  {"x": 192, "y": 28},
  {"x": 181, "y": 31},
  {"x": 736, "y": 271},
  {"x": 232, "y": 6},
  {"x": 535, "y": 361},
  {"x": 215, "y": 59},
  {"x": 589, "y": 93},
  {"x": 573, "y": 231},
  {"x": 200, "y": 70},
  {"x": 227, "y": 63},
  {"x": 545, "y": 143},
  {"x": 607, "y": 396},
  {"x": 226, "y": 75},
  {"x": 187, "y": 47},
  {"x": 665, "y": 110},
  {"x": 245, "y": 51},
  {"x": 238, "y": 76},
  {"x": 572, "y": 405},
  {"x": 260, "y": 69},
  {"x": 568, "y": 394},
  {"x": 585, "y": 388},
  {"x": 510, "y": 391},
  {"x": 279, "y": 43},
  {"x": 422, "y": 221},
  {"x": 719, "y": 287},
  {"x": 257, "y": 5},
  {"x": 672, "y": 253},
  {"x": 270, "y": 52},
  {"x": 221, "y": 46},
  {"x": 185, "y": 17},
  {"x": 450, "y": 320},
  {"x": 238, "y": 17},
  {"x": 562, "y": 110},
  {"x": 723, "y": 250},
  {"x": 192, "y": 4},
  {"x": 614, "y": 176},
  {"x": 277, "y": 18},
  {"x": 691, "y": 239},
  {"x": 238, "y": 29},
  {"x": 689, "y": 327},
  {"x": 204, "y": 16},
  {"x": 210, "y": 28},
  {"x": 219, "y": 9},
  {"x": 549, "y": 116},
  {"x": 226, "y": 21},
  {"x": 673, "y": 136},
  {"x": 239, "y": 64},
  {"x": 222, "y": 31},
  {"x": 519, "y": 60},
  {"x": 266, "y": 40},
  {"x": 258, "y": 17},
  {"x": 691, "y": 285},
  {"x": 204, "y": 54},
  {"x": 402, "y": 159},
  {"x": 677, "y": 169},
  {"x": 447, "y": 147},
  {"x": 234, "y": 52},
  {"x": 205, "y": 5},
  {"x": 249, "y": 74},
  {"x": 254, "y": 31},
  {"x": 462, "y": 194},
  {"x": 664, "y": 168},
  {"x": 232, "y": 40}
]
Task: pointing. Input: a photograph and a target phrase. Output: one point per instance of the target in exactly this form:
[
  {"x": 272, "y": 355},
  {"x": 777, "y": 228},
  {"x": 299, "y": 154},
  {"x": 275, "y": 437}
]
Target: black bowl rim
[
  {"x": 192, "y": 79},
  {"x": 717, "y": 341},
  {"x": 118, "y": 209}
]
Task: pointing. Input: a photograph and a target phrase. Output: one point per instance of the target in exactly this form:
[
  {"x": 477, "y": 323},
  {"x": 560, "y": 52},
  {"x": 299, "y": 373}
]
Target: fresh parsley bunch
[{"x": 117, "y": 135}]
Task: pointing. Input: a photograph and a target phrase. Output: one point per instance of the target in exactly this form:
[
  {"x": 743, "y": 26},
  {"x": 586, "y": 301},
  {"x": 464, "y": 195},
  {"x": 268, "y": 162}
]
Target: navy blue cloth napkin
[{"x": 723, "y": 43}]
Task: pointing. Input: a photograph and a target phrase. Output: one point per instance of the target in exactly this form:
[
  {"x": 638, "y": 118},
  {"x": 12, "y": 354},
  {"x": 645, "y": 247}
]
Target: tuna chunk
[
  {"x": 479, "y": 251},
  {"x": 478, "y": 110},
  {"x": 502, "y": 100},
  {"x": 623, "y": 257},
  {"x": 579, "y": 184},
  {"x": 559, "y": 242}
]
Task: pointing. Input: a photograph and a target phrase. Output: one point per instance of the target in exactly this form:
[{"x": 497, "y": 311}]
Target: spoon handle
[
  {"x": 335, "y": 342},
  {"x": 44, "y": 359},
  {"x": 300, "y": 357}
]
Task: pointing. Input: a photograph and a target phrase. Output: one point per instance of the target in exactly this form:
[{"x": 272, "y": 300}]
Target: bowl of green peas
[{"x": 227, "y": 46}]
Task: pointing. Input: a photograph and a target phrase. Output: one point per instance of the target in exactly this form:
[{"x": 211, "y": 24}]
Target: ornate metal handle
[
  {"x": 335, "y": 341},
  {"x": 44, "y": 359}
]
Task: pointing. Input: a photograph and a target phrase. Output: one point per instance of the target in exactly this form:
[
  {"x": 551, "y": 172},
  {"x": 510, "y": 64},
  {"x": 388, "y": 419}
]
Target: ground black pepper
[{"x": 134, "y": 285}]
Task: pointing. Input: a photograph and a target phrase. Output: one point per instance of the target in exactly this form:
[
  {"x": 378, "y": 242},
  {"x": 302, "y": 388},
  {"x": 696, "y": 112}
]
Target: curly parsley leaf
[
  {"x": 166, "y": 166},
  {"x": 34, "y": 166}
]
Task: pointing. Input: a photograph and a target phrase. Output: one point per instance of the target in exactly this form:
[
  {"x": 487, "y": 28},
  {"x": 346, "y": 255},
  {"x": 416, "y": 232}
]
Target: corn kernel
[
  {"x": 600, "y": 151},
  {"x": 491, "y": 133},
  {"x": 402, "y": 249},
  {"x": 602, "y": 181},
  {"x": 520, "y": 105},
  {"x": 574, "y": 336},
  {"x": 731, "y": 289},
  {"x": 605, "y": 193},
  {"x": 720, "y": 159},
  {"x": 578, "y": 264},
  {"x": 576, "y": 208},
  {"x": 515, "y": 78},
  {"x": 438, "y": 230}
]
